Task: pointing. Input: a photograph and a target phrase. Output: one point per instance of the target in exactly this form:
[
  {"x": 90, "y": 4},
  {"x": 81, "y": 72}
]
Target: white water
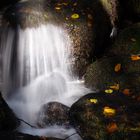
[{"x": 36, "y": 70}]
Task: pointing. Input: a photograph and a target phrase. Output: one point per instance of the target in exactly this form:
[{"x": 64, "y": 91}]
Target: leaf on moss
[
  {"x": 126, "y": 91},
  {"x": 135, "y": 57},
  {"x": 95, "y": 101},
  {"x": 115, "y": 87},
  {"x": 109, "y": 91},
  {"x": 109, "y": 112},
  {"x": 112, "y": 127},
  {"x": 57, "y": 8},
  {"x": 75, "y": 16},
  {"x": 117, "y": 67}
]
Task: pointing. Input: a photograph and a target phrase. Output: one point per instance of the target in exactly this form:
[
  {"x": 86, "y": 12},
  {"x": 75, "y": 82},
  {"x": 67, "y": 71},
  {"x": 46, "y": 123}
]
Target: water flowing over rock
[{"x": 36, "y": 67}]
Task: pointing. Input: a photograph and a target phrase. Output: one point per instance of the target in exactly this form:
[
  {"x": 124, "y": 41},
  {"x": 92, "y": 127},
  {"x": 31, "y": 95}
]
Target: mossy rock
[
  {"x": 92, "y": 123},
  {"x": 128, "y": 42},
  {"x": 107, "y": 72},
  {"x": 53, "y": 113}
]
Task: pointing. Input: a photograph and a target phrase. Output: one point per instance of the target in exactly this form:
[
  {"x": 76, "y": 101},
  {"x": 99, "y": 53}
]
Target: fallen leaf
[
  {"x": 95, "y": 101},
  {"x": 112, "y": 127},
  {"x": 115, "y": 87},
  {"x": 135, "y": 57},
  {"x": 109, "y": 112},
  {"x": 75, "y": 16},
  {"x": 90, "y": 16},
  {"x": 57, "y": 8},
  {"x": 133, "y": 39},
  {"x": 109, "y": 91},
  {"x": 117, "y": 67},
  {"x": 126, "y": 91}
]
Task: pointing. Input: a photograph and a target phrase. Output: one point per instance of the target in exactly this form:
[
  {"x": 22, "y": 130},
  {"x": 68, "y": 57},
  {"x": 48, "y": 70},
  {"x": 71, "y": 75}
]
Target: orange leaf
[
  {"x": 115, "y": 87},
  {"x": 135, "y": 57},
  {"x": 117, "y": 68},
  {"x": 126, "y": 91},
  {"x": 112, "y": 127}
]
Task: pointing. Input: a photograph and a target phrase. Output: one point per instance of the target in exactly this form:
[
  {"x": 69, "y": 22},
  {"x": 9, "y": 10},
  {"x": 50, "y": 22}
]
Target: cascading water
[{"x": 37, "y": 70}]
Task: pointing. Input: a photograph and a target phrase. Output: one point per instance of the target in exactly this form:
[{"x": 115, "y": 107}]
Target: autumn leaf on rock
[
  {"x": 75, "y": 16},
  {"x": 117, "y": 67},
  {"x": 115, "y": 87},
  {"x": 135, "y": 57},
  {"x": 95, "y": 101},
  {"x": 109, "y": 91},
  {"x": 126, "y": 91},
  {"x": 109, "y": 112},
  {"x": 112, "y": 127}
]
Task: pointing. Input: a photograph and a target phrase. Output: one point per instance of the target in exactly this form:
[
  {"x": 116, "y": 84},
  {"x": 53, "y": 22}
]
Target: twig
[
  {"x": 70, "y": 136},
  {"x": 26, "y": 123}
]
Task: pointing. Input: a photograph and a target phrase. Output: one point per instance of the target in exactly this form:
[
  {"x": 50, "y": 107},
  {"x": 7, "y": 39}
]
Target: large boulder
[
  {"x": 8, "y": 120},
  {"x": 109, "y": 71},
  {"x": 53, "y": 113},
  {"x": 102, "y": 116},
  {"x": 127, "y": 42}
]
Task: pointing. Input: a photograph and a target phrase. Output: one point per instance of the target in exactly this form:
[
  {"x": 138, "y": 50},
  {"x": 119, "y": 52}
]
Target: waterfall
[{"x": 37, "y": 69}]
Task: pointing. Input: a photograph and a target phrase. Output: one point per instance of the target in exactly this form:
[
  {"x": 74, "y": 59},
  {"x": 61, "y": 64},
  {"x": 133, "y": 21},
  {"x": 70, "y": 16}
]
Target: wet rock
[
  {"x": 21, "y": 136},
  {"x": 53, "y": 113},
  {"x": 128, "y": 42},
  {"x": 104, "y": 116},
  {"x": 109, "y": 71},
  {"x": 8, "y": 120}
]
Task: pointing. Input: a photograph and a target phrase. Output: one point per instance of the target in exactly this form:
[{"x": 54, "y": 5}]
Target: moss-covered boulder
[
  {"x": 53, "y": 113},
  {"x": 115, "y": 73},
  {"x": 101, "y": 116},
  {"x": 127, "y": 42},
  {"x": 8, "y": 120}
]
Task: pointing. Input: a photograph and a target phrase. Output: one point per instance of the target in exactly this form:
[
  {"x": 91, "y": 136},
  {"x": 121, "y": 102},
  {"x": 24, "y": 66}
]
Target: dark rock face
[
  {"x": 120, "y": 68},
  {"x": 102, "y": 116},
  {"x": 19, "y": 136},
  {"x": 8, "y": 120},
  {"x": 130, "y": 9},
  {"x": 53, "y": 113},
  {"x": 128, "y": 42}
]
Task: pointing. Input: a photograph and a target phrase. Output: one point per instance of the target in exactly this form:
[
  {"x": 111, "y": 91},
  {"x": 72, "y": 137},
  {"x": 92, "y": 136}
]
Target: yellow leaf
[
  {"x": 109, "y": 91},
  {"x": 112, "y": 127},
  {"x": 109, "y": 112},
  {"x": 117, "y": 68},
  {"x": 115, "y": 87},
  {"x": 75, "y": 16},
  {"x": 95, "y": 101},
  {"x": 57, "y": 8},
  {"x": 135, "y": 57}
]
